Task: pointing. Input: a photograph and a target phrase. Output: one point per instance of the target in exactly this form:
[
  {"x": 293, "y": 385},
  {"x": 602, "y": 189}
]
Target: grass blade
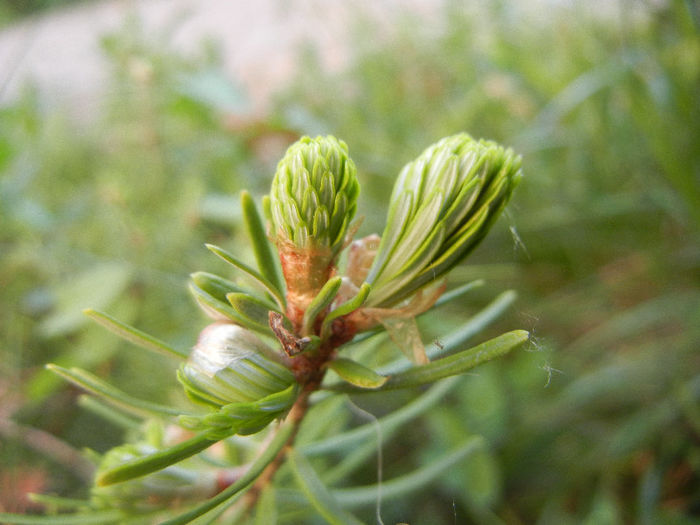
[{"x": 357, "y": 374}]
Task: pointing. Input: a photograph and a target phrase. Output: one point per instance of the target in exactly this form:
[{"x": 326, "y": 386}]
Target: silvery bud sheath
[
  {"x": 312, "y": 201},
  {"x": 442, "y": 206},
  {"x": 232, "y": 369}
]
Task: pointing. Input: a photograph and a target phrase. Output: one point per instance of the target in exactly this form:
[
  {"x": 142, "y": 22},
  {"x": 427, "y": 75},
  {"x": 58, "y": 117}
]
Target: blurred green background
[{"x": 597, "y": 422}]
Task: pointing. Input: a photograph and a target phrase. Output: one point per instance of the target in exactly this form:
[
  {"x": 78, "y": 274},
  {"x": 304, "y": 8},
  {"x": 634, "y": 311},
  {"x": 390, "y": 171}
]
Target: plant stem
[
  {"x": 295, "y": 417},
  {"x": 309, "y": 369}
]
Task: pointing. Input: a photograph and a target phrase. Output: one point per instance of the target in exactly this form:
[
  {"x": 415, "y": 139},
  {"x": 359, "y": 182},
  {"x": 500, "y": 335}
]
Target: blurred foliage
[
  {"x": 603, "y": 244},
  {"x": 599, "y": 423},
  {"x": 113, "y": 212},
  {"x": 13, "y": 10}
]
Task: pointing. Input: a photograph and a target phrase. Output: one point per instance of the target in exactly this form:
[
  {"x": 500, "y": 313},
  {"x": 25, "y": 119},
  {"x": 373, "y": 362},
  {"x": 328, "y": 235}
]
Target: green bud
[
  {"x": 314, "y": 193},
  {"x": 312, "y": 201},
  {"x": 230, "y": 364},
  {"x": 166, "y": 488},
  {"x": 442, "y": 206}
]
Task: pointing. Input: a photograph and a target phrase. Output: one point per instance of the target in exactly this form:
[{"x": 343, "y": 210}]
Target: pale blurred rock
[{"x": 60, "y": 51}]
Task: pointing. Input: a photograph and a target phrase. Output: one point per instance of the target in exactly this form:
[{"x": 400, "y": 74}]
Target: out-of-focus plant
[
  {"x": 12, "y": 10},
  {"x": 90, "y": 187},
  {"x": 269, "y": 354}
]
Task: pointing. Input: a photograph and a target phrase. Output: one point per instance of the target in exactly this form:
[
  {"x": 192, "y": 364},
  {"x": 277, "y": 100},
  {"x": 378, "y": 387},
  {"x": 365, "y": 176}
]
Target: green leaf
[
  {"x": 473, "y": 326},
  {"x": 113, "y": 395},
  {"x": 317, "y": 493},
  {"x": 353, "y": 460},
  {"x": 458, "y": 292},
  {"x": 282, "y": 435},
  {"x": 319, "y": 303},
  {"x": 213, "y": 306},
  {"x": 404, "y": 485},
  {"x": 197, "y": 395},
  {"x": 121, "y": 418},
  {"x": 249, "y": 418},
  {"x": 92, "y": 349},
  {"x": 347, "y": 307},
  {"x": 233, "y": 514},
  {"x": 215, "y": 285},
  {"x": 133, "y": 335},
  {"x": 253, "y": 312},
  {"x": 452, "y": 365},
  {"x": 270, "y": 287},
  {"x": 267, "y": 261},
  {"x": 351, "y": 438},
  {"x": 156, "y": 461},
  {"x": 461, "y": 335},
  {"x": 357, "y": 374}
]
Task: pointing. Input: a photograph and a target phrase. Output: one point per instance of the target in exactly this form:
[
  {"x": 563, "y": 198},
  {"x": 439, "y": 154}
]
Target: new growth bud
[
  {"x": 312, "y": 201},
  {"x": 442, "y": 206},
  {"x": 314, "y": 193}
]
